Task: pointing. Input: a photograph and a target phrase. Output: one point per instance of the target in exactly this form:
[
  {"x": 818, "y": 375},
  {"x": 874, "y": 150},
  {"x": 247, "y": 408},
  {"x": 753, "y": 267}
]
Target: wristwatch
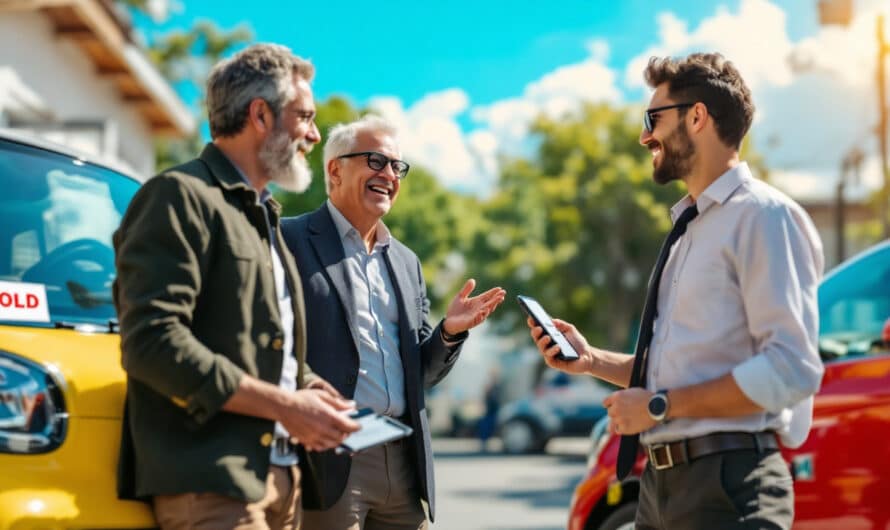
[{"x": 659, "y": 406}]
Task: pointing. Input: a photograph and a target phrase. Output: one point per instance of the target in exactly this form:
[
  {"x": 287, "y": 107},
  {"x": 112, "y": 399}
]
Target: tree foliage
[
  {"x": 578, "y": 225},
  {"x": 184, "y": 58}
]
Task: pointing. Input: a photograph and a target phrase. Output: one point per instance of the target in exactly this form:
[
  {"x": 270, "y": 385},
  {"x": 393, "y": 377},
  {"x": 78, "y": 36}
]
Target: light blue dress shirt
[{"x": 381, "y": 381}]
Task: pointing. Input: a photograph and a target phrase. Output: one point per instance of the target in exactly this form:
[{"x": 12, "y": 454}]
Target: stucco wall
[{"x": 61, "y": 74}]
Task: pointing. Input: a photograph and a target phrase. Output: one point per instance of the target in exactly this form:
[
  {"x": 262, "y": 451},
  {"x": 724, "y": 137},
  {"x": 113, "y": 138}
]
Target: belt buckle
[
  {"x": 653, "y": 456},
  {"x": 283, "y": 447}
]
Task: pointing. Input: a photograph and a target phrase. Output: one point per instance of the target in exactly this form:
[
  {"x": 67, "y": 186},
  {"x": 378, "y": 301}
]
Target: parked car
[
  {"x": 61, "y": 384},
  {"x": 562, "y": 405},
  {"x": 842, "y": 471}
]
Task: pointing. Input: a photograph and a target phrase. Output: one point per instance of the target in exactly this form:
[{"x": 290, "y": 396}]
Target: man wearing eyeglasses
[
  {"x": 726, "y": 362},
  {"x": 368, "y": 332},
  {"x": 211, "y": 314}
]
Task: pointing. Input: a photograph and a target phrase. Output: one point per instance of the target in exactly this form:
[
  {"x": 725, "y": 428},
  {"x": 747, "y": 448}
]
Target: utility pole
[
  {"x": 883, "y": 48},
  {"x": 840, "y": 12},
  {"x": 850, "y": 167}
]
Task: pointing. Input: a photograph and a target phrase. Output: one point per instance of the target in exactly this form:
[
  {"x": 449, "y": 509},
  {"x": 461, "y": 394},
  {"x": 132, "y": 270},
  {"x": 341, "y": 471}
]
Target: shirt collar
[
  {"x": 344, "y": 227},
  {"x": 264, "y": 196},
  {"x": 718, "y": 192}
]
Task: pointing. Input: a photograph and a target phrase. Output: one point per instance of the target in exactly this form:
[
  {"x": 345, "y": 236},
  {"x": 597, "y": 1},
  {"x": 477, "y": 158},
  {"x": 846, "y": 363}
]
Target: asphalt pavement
[{"x": 490, "y": 491}]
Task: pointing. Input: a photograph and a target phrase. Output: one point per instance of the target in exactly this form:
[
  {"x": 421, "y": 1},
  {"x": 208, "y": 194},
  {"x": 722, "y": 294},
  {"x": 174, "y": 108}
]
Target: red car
[{"x": 842, "y": 471}]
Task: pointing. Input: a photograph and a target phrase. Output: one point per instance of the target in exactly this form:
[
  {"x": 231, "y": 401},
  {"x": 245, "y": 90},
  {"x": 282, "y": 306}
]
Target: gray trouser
[{"x": 735, "y": 489}]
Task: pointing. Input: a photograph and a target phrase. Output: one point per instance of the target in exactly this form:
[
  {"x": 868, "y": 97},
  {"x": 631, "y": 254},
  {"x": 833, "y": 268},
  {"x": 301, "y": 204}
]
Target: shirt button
[{"x": 266, "y": 439}]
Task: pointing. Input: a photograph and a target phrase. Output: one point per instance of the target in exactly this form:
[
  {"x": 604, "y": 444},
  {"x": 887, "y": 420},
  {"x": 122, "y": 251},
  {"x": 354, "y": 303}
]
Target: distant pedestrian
[
  {"x": 727, "y": 359},
  {"x": 492, "y": 402}
]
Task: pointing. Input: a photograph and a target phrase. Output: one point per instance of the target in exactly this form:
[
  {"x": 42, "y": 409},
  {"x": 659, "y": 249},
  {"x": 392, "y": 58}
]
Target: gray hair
[
  {"x": 260, "y": 71},
  {"x": 343, "y": 137}
]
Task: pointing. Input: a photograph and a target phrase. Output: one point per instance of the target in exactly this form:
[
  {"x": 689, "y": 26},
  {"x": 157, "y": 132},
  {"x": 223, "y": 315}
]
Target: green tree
[
  {"x": 578, "y": 225},
  {"x": 184, "y": 58},
  {"x": 328, "y": 113}
]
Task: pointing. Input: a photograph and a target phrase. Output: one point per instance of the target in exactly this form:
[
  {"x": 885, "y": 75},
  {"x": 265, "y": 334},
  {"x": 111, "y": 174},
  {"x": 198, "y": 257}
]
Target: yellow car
[{"x": 61, "y": 383}]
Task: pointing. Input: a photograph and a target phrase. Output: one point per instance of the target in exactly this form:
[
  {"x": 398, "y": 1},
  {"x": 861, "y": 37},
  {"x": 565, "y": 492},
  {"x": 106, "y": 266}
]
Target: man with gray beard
[{"x": 212, "y": 317}]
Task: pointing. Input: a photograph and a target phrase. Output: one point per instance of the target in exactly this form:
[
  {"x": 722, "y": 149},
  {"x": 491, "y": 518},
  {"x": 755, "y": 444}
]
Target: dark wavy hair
[{"x": 712, "y": 80}]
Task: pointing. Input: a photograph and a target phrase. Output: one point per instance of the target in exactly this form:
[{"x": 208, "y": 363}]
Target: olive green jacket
[{"x": 196, "y": 300}]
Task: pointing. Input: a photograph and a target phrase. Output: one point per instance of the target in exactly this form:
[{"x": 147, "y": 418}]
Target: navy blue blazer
[{"x": 332, "y": 344}]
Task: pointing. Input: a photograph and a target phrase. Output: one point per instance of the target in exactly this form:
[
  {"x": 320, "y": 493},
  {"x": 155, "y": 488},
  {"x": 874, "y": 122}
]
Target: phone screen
[{"x": 539, "y": 315}]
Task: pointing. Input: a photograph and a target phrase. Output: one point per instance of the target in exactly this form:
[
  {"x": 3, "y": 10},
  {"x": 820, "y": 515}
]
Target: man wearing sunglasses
[
  {"x": 726, "y": 360},
  {"x": 368, "y": 332}
]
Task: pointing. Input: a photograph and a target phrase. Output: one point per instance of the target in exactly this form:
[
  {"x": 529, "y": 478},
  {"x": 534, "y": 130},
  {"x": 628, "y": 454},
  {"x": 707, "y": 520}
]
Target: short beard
[
  {"x": 278, "y": 155},
  {"x": 677, "y": 152}
]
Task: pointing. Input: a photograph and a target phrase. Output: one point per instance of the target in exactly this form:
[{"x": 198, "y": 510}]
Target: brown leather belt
[{"x": 668, "y": 455}]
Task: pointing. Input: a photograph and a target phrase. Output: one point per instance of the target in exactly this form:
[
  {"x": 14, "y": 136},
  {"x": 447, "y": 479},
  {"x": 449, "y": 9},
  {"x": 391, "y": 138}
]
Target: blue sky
[{"x": 462, "y": 79}]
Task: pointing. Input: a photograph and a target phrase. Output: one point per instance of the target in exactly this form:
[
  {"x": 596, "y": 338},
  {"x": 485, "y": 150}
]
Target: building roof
[{"x": 106, "y": 38}]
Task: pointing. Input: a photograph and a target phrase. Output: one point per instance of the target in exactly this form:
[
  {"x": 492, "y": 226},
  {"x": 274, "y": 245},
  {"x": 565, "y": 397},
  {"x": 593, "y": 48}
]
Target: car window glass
[
  {"x": 854, "y": 303},
  {"x": 57, "y": 217}
]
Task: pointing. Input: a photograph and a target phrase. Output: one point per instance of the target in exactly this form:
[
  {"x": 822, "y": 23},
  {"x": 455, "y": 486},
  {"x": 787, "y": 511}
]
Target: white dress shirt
[
  {"x": 289, "y": 367},
  {"x": 738, "y": 295}
]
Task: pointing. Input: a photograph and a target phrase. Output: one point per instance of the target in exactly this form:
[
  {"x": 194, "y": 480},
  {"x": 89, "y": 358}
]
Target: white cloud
[
  {"x": 554, "y": 94},
  {"x": 815, "y": 97},
  {"x": 430, "y": 135},
  {"x": 761, "y": 56}
]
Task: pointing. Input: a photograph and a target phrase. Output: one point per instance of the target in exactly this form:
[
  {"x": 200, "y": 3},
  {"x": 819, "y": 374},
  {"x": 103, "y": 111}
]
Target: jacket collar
[{"x": 229, "y": 177}]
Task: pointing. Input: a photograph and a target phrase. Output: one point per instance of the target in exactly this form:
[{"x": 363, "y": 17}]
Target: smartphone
[{"x": 541, "y": 318}]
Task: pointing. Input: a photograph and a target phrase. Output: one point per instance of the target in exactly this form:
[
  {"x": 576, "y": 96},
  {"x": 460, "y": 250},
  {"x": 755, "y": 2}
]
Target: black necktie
[{"x": 627, "y": 451}]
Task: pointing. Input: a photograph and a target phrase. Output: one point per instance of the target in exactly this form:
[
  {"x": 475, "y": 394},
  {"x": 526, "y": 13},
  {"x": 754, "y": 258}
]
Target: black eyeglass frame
[
  {"x": 649, "y": 119},
  {"x": 399, "y": 167}
]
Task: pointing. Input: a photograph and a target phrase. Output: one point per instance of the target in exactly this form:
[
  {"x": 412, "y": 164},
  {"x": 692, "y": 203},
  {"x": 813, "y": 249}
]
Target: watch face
[{"x": 657, "y": 405}]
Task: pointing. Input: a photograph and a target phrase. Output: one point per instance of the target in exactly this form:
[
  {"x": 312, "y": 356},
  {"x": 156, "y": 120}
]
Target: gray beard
[{"x": 278, "y": 155}]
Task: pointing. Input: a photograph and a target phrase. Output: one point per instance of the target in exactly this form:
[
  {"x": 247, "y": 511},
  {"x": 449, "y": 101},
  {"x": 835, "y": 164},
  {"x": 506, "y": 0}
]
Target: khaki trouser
[
  {"x": 278, "y": 510},
  {"x": 381, "y": 494}
]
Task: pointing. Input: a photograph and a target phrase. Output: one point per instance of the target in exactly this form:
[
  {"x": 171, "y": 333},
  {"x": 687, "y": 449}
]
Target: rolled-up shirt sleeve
[{"x": 781, "y": 267}]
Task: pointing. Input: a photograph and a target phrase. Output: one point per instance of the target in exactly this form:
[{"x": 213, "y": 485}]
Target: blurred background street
[{"x": 490, "y": 491}]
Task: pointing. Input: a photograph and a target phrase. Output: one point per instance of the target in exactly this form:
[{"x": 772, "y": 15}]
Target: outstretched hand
[{"x": 467, "y": 312}]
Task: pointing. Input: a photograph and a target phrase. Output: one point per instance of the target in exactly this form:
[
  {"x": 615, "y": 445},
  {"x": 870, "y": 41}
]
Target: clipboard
[{"x": 375, "y": 429}]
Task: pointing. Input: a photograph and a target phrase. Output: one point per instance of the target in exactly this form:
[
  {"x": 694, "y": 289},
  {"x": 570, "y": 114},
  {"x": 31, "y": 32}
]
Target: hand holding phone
[{"x": 542, "y": 319}]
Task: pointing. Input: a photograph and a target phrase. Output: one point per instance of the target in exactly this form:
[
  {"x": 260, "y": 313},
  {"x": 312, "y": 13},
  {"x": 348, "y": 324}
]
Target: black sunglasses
[
  {"x": 649, "y": 116},
  {"x": 378, "y": 161}
]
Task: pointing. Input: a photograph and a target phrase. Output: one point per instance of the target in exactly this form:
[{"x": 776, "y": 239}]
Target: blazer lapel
[
  {"x": 326, "y": 242},
  {"x": 405, "y": 293}
]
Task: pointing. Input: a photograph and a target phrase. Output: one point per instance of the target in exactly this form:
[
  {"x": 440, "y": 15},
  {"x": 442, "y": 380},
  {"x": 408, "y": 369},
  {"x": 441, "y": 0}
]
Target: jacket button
[
  {"x": 350, "y": 379},
  {"x": 277, "y": 343},
  {"x": 266, "y": 439}
]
